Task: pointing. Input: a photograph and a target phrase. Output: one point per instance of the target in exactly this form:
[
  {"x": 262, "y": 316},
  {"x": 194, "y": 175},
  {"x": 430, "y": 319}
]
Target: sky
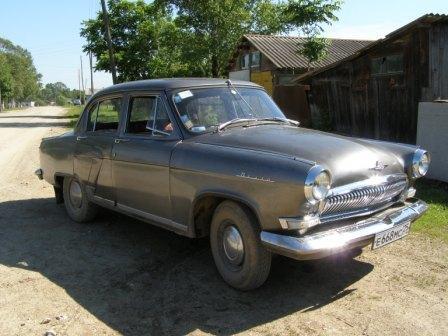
[{"x": 49, "y": 29}]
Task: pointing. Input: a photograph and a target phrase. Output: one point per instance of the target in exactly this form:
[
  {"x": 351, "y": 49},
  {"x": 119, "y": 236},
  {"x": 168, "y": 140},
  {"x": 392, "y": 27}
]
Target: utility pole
[
  {"x": 79, "y": 84},
  {"x": 82, "y": 81},
  {"x": 91, "y": 73},
  {"x": 113, "y": 68},
  {"x": 1, "y": 106}
]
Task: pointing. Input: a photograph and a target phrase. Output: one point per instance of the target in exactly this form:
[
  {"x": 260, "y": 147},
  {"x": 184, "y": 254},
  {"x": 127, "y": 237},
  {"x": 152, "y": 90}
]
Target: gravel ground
[{"x": 121, "y": 276}]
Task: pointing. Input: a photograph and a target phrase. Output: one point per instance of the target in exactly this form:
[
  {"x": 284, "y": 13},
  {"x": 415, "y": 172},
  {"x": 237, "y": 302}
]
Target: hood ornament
[{"x": 379, "y": 166}]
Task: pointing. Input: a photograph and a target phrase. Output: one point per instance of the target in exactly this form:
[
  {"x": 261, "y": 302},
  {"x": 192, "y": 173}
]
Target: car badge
[{"x": 379, "y": 166}]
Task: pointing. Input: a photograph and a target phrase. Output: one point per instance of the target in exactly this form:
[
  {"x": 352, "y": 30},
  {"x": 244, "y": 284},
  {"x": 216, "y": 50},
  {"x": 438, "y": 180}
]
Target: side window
[
  {"x": 108, "y": 115},
  {"x": 148, "y": 115}
]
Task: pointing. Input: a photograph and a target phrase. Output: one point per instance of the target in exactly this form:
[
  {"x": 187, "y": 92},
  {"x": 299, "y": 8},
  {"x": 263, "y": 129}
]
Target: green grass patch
[
  {"x": 73, "y": 113},
  {"x": 434, "y": 222}
]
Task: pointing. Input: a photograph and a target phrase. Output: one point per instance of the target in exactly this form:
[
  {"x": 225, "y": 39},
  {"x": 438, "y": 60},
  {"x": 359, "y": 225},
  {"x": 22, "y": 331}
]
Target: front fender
[{"x": 271, "y": 185}]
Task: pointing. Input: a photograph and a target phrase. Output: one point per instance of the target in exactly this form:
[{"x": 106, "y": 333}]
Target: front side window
[
  {"x": 105, "y": 115},
  {"x": 148, "y": 115},
  {"x": 203, "y": 110}
]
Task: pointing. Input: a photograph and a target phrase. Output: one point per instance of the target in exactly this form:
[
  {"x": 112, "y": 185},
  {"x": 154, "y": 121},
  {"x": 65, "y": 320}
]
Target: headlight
[
  {"x": 420, "y": 163},
  {"x": 317, "y": 184}
]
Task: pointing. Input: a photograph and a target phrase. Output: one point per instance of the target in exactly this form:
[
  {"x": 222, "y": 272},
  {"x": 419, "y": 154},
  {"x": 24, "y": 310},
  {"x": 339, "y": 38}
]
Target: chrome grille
[{"x": 364, "y": 195}]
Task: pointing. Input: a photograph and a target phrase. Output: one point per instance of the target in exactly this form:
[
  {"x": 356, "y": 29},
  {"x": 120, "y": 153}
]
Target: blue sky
[{"x": 49, "y": 29}]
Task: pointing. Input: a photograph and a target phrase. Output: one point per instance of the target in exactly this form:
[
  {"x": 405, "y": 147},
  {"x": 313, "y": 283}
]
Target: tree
[
  {"x": 191, "y": 37},
  {"x": 314, "y": 49},
  {"x": 19, "y": 79},
  {"x": 309, "y": 16},
  {"x": 144, "y": 40}
]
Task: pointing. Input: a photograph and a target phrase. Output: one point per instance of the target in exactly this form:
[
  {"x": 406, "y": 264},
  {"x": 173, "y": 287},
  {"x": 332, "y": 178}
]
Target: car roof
[{"x": 170, "y": 84}]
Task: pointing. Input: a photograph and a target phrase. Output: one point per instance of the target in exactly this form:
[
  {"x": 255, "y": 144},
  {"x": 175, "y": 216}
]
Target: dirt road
[{"x": 121, "y": 276}]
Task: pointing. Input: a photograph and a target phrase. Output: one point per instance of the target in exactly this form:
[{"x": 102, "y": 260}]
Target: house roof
[
  {"x": 282, "y": 51},
  {"x": 423, "y": 20}
]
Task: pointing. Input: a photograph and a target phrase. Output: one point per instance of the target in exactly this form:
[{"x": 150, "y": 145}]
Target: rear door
[
  {"x": 93, "y": 152},
  {"x": 142, "y": 157}
]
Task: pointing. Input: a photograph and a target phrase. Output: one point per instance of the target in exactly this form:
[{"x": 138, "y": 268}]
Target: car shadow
[{"x": 139, "y": 279}]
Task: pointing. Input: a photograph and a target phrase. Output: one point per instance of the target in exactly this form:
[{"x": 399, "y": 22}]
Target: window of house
[
  {"x": 148, "y": 115},
  {"x": 255, "y": 59},
  {"x": 105, "y": 115},
  {"x": 387, "y": 65},
  {"x": 244, "y": 61}
]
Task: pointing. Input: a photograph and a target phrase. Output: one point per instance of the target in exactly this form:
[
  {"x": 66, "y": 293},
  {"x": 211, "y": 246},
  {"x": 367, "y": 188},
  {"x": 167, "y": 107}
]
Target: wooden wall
[
  {"x": 438, "y": 62},
  {"x": 349, "y": 99}
]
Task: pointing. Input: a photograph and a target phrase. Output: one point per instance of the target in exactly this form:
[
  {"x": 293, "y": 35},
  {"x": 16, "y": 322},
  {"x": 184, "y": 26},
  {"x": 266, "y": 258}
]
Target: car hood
[{"x": 347, "y": 159}]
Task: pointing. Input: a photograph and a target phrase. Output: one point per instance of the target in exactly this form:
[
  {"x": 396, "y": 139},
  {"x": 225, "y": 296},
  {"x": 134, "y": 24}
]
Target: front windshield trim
[{"x": 172, "y": 94}]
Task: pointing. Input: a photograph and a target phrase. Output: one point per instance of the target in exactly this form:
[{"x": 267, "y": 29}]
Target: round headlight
[
  {"x": 317, "y": 184},
  {"x": 420, "y": 163}
]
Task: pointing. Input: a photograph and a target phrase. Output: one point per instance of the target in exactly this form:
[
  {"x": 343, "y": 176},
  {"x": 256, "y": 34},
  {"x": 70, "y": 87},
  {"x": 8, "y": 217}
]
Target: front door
[
  {"x": 93, "y": 152},
  {"x": 142, "y": 158}
]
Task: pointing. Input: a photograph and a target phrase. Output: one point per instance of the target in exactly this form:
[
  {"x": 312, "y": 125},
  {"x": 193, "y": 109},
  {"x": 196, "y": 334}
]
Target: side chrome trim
[
  {"x": 156, "y": 220},
  {"x": 325, "y": 243}
]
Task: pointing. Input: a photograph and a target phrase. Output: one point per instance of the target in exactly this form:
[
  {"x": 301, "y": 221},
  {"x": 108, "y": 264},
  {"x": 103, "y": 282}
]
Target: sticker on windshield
[{"x": 185, "y": 94}]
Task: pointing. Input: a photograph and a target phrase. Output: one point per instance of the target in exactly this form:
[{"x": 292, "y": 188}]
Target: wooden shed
[
  {"x": 375, "y": 92},
  {"x": 274, "y": 62}
]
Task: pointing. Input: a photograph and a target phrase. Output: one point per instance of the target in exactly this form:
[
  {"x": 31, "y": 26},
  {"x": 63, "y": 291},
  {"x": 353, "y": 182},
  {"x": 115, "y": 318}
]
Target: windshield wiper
[
  {"x": 283, "y": 120},
  {"x": 232, "y": 122},
  {"x": 249, "y": 121}
]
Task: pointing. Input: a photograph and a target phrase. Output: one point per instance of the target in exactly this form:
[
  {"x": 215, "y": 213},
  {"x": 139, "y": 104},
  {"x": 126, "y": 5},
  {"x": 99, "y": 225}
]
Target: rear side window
[
  {"x": 148, "y": 115},
  {"x": 105, "y": 115}
]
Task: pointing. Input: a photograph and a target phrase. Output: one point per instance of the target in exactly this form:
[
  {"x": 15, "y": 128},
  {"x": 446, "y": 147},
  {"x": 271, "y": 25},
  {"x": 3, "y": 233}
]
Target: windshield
[{"x": 203, "y": 110}]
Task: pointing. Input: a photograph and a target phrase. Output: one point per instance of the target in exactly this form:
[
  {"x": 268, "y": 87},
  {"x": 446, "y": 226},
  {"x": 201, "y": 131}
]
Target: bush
[{"x": 61, "y": 100}]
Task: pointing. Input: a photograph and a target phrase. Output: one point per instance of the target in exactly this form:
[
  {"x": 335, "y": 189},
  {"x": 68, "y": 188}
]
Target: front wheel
[
  {"x": 78, "y": 207},
  {"x": 236, "y": 247}
]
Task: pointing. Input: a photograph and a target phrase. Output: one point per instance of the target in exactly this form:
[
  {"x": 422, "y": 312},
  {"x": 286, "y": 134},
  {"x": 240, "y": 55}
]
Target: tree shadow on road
[
  {"x": 39, "y": 116},
  {"x": 139, "y": 279},
  {"x": 34, "y": 124}
]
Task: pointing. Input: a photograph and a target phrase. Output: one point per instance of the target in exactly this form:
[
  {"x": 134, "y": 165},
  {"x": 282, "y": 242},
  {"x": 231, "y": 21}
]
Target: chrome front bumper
[{"x": 347, "y": 236}]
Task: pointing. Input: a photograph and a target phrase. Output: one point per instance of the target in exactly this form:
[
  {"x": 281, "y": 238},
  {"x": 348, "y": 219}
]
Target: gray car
[{"x": 218, "y": 159}]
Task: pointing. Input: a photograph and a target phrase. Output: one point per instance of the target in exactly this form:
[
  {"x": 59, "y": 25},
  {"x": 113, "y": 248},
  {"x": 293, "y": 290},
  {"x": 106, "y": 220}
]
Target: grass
[
  {"x": 73, "y": 113},
  {"x": 434, "y": 222}
]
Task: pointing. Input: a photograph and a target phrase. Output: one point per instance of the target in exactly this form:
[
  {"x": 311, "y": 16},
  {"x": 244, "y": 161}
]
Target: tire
[
  {"x": 78, "y": 207},
  {"x": 244, "y": 270}
]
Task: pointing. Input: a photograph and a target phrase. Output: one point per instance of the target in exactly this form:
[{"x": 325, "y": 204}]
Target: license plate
[{"x": 391, "y": 235}]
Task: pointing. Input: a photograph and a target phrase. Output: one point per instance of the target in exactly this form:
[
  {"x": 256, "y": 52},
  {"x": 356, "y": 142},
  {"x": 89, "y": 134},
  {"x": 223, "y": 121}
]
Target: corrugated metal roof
[
  {"x": 283, "y": 50},
  {"x": 426, "y": 19}
]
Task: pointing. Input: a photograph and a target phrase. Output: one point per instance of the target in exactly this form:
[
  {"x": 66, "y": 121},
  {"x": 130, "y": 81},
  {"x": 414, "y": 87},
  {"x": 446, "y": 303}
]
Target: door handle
[
  {"x": 80, "y": 137},
  {"x": 117, "y": 141}
]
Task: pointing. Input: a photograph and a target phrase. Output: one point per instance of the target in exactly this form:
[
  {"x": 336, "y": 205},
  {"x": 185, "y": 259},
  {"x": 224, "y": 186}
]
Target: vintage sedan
[{"x": 218, "y": 159}]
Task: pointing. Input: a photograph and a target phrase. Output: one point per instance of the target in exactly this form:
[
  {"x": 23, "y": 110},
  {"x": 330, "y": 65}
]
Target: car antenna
[{"x": 230, "y": 85}]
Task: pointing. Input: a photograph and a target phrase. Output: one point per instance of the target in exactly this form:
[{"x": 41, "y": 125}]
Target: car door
[
  {"x": 142, "y": 157},
  {"x": 93, "y": 151}
]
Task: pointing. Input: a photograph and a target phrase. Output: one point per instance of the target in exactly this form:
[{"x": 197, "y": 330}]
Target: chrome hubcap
[
  {"x": 75, "y": 194},
  {"x": 233, "y": 245}
]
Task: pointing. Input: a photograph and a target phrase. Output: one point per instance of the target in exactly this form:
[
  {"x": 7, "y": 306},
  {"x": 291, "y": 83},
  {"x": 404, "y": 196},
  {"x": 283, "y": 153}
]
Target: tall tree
[
  {"x": 309, "y": 17},
  {"x": 18, "y": 76},
  {"x": 191, "y": 37},
  {"x": 144, "y": 39}
]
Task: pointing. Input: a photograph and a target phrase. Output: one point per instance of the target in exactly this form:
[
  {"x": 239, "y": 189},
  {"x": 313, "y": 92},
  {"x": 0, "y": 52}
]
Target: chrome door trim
[{"x": 156, "y": 220}]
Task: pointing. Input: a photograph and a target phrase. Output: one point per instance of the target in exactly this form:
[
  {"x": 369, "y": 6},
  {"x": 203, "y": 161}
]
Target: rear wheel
[
  {"x": 78, "y": 207},
  {"x": 235, "y": 242}
]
